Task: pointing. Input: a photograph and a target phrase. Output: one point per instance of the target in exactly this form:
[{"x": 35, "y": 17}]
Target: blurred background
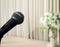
[{"x": 32, "y": 10}]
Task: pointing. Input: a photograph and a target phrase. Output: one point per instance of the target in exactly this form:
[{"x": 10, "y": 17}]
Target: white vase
[{"x": 53, "y": 39}]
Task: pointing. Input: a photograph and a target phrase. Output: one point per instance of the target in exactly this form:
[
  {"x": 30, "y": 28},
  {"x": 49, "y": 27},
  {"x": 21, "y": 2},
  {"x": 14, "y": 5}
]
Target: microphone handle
[{"x": 6, "y": 27}]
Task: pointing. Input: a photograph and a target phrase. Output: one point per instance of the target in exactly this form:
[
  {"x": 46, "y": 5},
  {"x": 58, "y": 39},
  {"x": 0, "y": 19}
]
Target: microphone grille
[{"x": 19, "y": 17}]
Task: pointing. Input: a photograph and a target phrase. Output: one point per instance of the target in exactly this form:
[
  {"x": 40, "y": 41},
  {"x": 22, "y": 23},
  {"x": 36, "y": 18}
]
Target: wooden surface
[{"x": 21, "y": 42}]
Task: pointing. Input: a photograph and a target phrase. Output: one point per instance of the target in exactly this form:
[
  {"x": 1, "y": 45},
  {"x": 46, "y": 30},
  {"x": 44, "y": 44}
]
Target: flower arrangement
[{"x": 49, "y": 21}]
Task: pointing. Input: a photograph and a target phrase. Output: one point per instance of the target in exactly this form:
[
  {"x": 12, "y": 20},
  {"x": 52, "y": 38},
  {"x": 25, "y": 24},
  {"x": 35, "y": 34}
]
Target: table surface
[{"x": 21, "y": 42}]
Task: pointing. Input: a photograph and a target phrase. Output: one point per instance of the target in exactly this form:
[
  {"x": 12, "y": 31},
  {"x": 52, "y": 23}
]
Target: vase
[{"x": 53, "y": 39}]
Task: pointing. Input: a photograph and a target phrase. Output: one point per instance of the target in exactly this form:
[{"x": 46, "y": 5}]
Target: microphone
[{"x": 17, "y": 18}]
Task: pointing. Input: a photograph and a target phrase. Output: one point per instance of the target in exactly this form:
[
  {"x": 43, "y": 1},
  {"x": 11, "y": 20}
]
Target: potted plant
[{"x": 49, "y": 21}]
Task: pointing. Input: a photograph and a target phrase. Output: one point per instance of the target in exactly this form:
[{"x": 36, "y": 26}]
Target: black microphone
[{"x": 17, "y": 18}]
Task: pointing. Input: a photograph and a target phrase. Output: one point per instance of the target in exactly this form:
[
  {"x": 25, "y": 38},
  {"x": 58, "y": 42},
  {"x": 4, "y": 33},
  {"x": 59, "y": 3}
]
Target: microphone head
[{"x": 19, "y": 17}]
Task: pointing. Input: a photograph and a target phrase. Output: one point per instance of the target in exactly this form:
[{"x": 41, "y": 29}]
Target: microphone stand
[
  {"x": 1, "y": 36},
  {"x": 0, "y": 40}
]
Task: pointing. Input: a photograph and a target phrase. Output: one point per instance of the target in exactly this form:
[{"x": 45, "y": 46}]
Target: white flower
[
  {"x": 47, "y": 14},
  {"x": 49, "y": 21},
  {"x": 43, "y": 21}
]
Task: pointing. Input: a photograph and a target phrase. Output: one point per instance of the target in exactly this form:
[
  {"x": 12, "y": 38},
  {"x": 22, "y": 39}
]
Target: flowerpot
[{"x": 53, "y": 39}]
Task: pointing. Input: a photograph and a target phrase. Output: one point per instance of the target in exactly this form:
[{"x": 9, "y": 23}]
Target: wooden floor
[{"x": 21, "y": 42}]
